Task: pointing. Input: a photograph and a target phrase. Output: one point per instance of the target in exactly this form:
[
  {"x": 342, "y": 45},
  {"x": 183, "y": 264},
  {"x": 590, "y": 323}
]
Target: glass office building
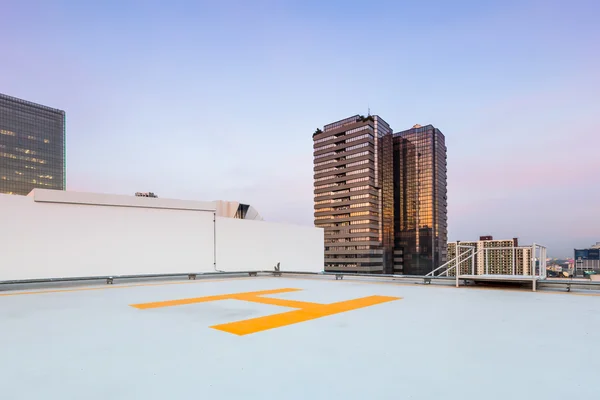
[
  {"x": 587, "y": 260},
  {"x": 32, "y": 147},
  {"x": 420, "y": 215},
  {"x": 380, "y": 196}
]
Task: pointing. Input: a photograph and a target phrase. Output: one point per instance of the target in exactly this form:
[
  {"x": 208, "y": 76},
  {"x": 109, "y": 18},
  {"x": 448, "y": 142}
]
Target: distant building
[
  {"x": 587, "y": 259},
  {"x": 32, "y": 146},
  {"x": 420, "y": 198},
  {"x": 498, "y": 257},
  {"x": 380, "y": 196},
  {"x": 353, "y": 193},
  {"x": 234, "y": 209}
]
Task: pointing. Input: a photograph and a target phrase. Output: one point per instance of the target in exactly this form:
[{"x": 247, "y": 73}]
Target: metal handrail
[
  {"x": 592, "y": 285},
  {"x": 432, "y": 273}
]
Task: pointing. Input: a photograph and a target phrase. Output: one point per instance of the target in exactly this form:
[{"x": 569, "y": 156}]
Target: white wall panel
[
  {"x": 53, "y": 240},
  {"x": 43, "y": 240},
  {"x": 244, "y": 245}
]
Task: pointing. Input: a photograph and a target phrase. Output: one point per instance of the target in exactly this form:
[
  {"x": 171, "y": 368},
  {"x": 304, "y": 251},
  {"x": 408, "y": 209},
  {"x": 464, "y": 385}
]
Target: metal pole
[
  {"x": 544, "y": 260},
  {"x": 533, "y": 265},
  {"x": 541, "y": 261},
  {"x": 456, "y": 278},
  {"x": 457, "y": 264},
  {"x": 462, "y": 259},
  {"x": 215, "y": 241}
]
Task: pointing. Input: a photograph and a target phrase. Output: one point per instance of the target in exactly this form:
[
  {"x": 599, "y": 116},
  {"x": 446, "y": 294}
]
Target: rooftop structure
[
  {"x": 234, "y": 209},
  {"x": 294, "y": 338},
  {"x": 53, "y": 234}
]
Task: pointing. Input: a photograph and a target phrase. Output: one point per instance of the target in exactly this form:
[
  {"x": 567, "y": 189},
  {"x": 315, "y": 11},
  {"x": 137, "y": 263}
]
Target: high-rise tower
[
  {"x": 32, "y": 146},
  {"x": 420, "y": 198},
  {"x": 353, "y": 191}
]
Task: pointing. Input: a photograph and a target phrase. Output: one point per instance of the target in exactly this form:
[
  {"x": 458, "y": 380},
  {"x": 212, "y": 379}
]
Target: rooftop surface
[{"x": 296, "y": 338}]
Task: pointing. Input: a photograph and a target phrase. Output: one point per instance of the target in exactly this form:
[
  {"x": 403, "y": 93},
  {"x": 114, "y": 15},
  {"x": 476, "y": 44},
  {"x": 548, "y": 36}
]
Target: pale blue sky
[{"x": 218, "y": 100}]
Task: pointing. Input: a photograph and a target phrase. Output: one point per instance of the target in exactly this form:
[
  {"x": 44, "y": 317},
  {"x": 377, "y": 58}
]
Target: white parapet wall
[
  {"x": 247, "y": 245},
  {"x": 55, "y": 234}
]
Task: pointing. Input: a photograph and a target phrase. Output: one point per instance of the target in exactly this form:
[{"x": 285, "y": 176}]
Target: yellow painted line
[
  {"x": 307, "y": 310},
  {"x": 20, "y": 293},
  {"x": 315, "y": 311},
  {"x": 278, "y": 302},
  {"x": 231, "y": 296}
]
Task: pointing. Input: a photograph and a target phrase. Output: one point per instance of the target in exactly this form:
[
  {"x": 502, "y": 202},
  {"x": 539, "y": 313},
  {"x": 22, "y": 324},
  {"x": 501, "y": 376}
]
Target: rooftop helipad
[{"x": 296, "y": 338}]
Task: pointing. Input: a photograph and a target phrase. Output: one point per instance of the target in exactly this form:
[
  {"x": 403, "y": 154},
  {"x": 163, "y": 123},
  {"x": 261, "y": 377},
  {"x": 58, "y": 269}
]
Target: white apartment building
[{"x": 496, "y": 257}]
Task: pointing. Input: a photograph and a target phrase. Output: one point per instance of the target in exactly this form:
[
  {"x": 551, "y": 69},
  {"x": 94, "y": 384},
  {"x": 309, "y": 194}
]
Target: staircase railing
[{"x": 458, "y": 260}]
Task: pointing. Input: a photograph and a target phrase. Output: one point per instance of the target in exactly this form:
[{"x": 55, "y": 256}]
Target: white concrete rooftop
[{"x": 394, "y": 341}]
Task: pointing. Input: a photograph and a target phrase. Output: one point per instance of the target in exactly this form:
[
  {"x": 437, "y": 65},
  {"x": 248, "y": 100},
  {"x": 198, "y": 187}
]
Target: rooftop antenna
[{"x": 368, "y": 110}]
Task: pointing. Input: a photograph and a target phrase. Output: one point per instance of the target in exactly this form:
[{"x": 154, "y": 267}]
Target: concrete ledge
[{"x": 100, "y": 199}]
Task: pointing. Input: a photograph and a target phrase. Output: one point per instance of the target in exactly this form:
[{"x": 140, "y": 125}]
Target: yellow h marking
[{"x": 305, "y": 310}]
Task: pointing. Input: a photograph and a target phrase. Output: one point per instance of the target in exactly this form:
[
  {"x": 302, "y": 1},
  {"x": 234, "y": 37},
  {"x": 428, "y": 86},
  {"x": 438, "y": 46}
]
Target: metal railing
[
  {"x": 526, "y": 261},
  {"x": 545, "y": 283},
  {"x": 447, "y": 267},
  {"x": 507, "y": 261}
]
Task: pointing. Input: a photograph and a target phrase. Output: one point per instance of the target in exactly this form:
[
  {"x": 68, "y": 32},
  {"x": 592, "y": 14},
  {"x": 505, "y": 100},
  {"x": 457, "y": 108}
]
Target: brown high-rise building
[
  {"x": 381, "y": 197},
  {"x": 420, "y": 223},
  {"x": 353, "y": 191}
]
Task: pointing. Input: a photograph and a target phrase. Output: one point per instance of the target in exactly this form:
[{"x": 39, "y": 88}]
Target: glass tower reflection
[
  {"x": 420, "y": 198},
  {"x": 32, "y": 146},
  {"x": 380, "y": 196}
]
